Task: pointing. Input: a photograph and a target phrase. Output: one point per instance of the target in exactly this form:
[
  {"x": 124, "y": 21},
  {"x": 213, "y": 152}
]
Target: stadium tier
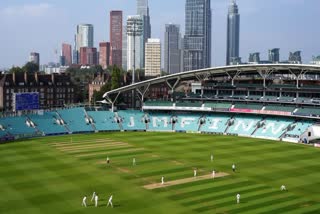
[
  {"x": 75, "y": 120},
  {"x": 17, "y": 126},
  {"x": 48, "y": 123},
  {"x": 244, "y": 125},
  {"x": 273, "y": 128},
  {"x": 104, "y": 120},
  {"x": 132, "y": 120},
  {"x": 160, "y": 122},
  {"x": 187, "y": 122},
  {"x": 215, "y": 123}
]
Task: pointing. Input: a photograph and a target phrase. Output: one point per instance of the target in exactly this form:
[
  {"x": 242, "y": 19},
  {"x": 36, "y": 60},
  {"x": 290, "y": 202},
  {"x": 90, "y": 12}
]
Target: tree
[
  {"x": 30, "y": 67},
  {"x": 16, "y": 70},
  {"x": 115, "y": 77}
]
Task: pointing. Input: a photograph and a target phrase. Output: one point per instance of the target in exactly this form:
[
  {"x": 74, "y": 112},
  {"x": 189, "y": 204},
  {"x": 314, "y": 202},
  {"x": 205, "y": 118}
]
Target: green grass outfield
[{"x": 51, "y": 175}]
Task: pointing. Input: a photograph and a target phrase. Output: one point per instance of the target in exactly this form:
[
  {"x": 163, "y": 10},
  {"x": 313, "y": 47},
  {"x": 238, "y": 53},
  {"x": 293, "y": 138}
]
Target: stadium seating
[
  {"x": 252, "y": 106},
  {"x": 158, "y": 103},
  {"x": 218, "y": 106},
  {"x": 308, "y": 111},
  {"x": 159, "y": 121},
  {"x": 132, "y": 120},
  {"x": 279, "y": 108},
  {"x": 16, "y": 126},
  {"x": 47, "y": 123},
  {"x": 188, "y": 122},
  {"x": 215, "y": 123},
  {"x": 104, "y": 120},
  {"x": 189, "y": 104},
  {"x": 75, "y": 120},
  {"x": 244, "y": 125},
  {"x": 299, "y": 129},
  {"x": 273, "y": 128}
]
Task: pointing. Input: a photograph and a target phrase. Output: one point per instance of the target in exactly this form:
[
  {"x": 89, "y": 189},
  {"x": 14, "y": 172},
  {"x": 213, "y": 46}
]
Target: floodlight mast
[{"x": 134, "y": 29}]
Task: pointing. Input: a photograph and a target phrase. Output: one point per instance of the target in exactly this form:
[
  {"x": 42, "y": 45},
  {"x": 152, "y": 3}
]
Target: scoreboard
[{"x": 25, "y": 101}]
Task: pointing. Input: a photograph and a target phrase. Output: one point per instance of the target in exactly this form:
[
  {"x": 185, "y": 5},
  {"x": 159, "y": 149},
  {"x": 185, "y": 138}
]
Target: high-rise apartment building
[
  {"x": 197, "y": 39},
  {"x": 274, "y": 55},
  {"x": 35, "y": 58},
  {"x": 104, "y": 54},
  {"x": 153, "y": 58},
  {"x": 295, "y": 57},
  {"x": 84, "y": 38},
  {"x": 116, "y": 38},
  {"x": 143, "y": 11},
  {"x": 172, "y": 49},
  {"x": 134, "y": 33},
  {"x": 66, "y": 54},
  {"x": 233, "y": 34},
  {"x": 254, "y": 58}
]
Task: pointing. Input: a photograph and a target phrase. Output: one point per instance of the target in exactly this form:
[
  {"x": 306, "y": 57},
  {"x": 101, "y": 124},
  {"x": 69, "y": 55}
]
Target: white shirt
[
  {"x": 238, "y": 196},
  {"x": 110, "y": 199},
  {"x": 84, "y": 199},
  {"x": 233, "y": 166},
  {"x": 96, "y": 198}
]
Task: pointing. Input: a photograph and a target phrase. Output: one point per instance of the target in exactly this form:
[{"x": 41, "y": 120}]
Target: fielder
[
  {"x": 133, "y": 161},
  {"x": 110, "y": 202},
  {"x": 283, "y": 188},
  {"x": 84, "y": 201},
  {"x": 96, "y": 201},
  {"x": 162, "y": 180},
  {"x": 233, "y": 167},
  {"x": 211, "y": 158},
  {"x": 213, "y": 174},
  {"x": 93, "y": 195},
  {"x": 108, "y": 160},
  {"x": 195, "y": 173},
  {"x": 238, "y": 198}
]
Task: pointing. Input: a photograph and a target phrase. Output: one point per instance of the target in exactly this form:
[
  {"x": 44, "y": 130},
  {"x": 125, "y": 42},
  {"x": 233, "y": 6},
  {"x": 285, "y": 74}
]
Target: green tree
[
  {"x": 16, "y": 70},
  {"x": 115, "y": 77},
  {"x": 30, "y": 67}
]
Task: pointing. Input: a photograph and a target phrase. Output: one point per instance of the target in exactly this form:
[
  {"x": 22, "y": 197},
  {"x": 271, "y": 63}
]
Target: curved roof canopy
[{"x": 232, "y": 71}]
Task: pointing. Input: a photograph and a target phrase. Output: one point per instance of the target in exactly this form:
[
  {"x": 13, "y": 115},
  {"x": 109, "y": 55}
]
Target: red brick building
[
  {"x": 88, "y": 56},
  {"x": 67, "y": 54},
  {"x": 104, "y": 54}
]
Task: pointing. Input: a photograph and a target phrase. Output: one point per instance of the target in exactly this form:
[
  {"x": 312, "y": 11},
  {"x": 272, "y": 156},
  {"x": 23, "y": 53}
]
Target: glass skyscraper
[
  {"x": 233, "y": 34},
  {"x": 197, "y": 39},
  {"x": 172, "y": 49},
  {"x": 143, "y": 11}
]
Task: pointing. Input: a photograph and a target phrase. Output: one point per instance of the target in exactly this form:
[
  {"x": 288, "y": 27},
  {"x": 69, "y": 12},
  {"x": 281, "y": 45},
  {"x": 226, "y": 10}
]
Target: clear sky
[{"x": 42, "y": 25}]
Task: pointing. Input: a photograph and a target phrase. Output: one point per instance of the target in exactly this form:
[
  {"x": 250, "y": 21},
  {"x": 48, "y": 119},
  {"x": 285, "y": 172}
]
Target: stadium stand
[
  {"x": 189, "y": 104},
  {"x": 308, "y": 111},
  {"x": 158, "y": 103},
  {"x": 279, "y": 107},
  {"x": 244, "y": 125},
  {"x": 252, "y": 106},
  {"x": 47, "y": 123},
  {"x": 218, "y": 106},
  {"x": 132, "y": 120},
  {"x": 215, "y": 123},
  {"x": 159, "y": 121},
  {"x": 104, "y": 120},
  {"x": 188, "y": 122},
  {"x": 16, "y": 126},
  {"x": 75, "y": 120},
  {"x": 273, "y": 128},
  {"x": 299, "y": 128}
]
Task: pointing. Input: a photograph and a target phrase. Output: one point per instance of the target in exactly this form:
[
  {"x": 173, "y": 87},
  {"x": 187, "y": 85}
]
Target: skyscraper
[
  {"x": 197, "y": 39},
  {"x": 84, "y": 38},
  {"x": 66, "y": 53},
  {"x": 143, "y": 11},
  {"x": 254, "y": 58},
  {"x": 171, "y": 49},
  {"x": 274, "y": 55},
  {"x": 104, "y": 54},
  {"x": 153, "y": 58},
  {"x": 134, "y": 33},
  {"x": 233, "y": 34},
  {"x": 295, "y": 57},
  {"x": 124, "y": 47},
  {"x": 88, "y": 56},
  {"x": 116, "y": 37},
  {"x": 35, "y": 58}
]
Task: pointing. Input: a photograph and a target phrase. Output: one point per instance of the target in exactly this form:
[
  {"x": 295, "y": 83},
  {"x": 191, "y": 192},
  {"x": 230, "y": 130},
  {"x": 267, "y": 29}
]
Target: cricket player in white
[
  {"x": 96, "y": 201},
  {"x": 108, "y": 160},
  {"x": 195, "y": 173},
  {"x": 162, "y": 180},
  {"x": 233, "y": 167},
  {"x": 84, "y": 201},
  {"x": 283, "y": 188},
  {"x": 238, "y": 198},
  {"x": 211, "y": 158},
  {"x": 110, "y": 202},
  {"x": 133, "y": 161},
  {"x": 93, "y": 195},
  {"x": 213, "y": 174}
]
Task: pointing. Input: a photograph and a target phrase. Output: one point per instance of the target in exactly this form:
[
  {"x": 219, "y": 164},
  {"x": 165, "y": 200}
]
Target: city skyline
[{"x": 260, "y": 31}]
